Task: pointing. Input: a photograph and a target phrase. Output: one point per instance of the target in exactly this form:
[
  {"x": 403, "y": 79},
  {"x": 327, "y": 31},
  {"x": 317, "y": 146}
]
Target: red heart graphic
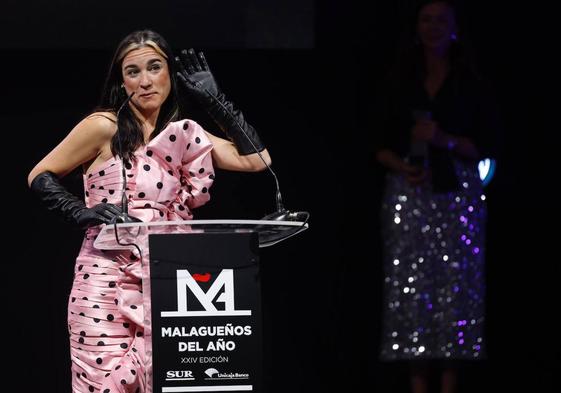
[{"x": 201, "y": 277}]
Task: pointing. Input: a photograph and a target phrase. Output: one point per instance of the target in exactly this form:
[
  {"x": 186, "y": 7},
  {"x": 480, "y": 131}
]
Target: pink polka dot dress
[{"x": 170, "y": 176}]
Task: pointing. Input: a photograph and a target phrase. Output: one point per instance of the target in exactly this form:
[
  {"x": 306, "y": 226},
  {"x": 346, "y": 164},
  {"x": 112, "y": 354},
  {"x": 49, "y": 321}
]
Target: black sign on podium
[
  {"x": 202, "y": 299},
  {"x": 206, "y": 312}
]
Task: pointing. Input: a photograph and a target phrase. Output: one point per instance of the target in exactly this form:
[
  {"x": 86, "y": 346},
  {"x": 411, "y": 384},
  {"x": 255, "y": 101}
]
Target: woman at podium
[{"x": 141, "y": 157}]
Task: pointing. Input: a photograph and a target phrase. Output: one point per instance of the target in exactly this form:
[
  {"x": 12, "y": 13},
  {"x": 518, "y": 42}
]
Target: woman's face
[
  {"x": 146, "y": 73},
  {"x": 436, "y": 26}
]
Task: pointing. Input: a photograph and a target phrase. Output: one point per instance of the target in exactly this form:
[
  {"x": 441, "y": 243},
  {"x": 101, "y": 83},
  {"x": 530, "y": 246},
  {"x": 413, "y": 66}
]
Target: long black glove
[
  {"x": 56, "y": 198},
  {"x": 199, "y": 82}
]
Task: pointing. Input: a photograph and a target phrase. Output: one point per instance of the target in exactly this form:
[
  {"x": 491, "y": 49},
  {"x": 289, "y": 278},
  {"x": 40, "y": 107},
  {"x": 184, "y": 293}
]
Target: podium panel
[{"x": 206, "y": 312}]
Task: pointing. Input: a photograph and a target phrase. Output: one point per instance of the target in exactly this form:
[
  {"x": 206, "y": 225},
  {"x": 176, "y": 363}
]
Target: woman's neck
[
  {"x": 148, "y": 121},
  {"x": 437, "y": 67},
  {"x": 437, "y": 61}
]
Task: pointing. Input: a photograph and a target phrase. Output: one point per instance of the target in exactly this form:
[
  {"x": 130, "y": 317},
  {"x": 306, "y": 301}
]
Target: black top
[{"x": 463, "y": 106}]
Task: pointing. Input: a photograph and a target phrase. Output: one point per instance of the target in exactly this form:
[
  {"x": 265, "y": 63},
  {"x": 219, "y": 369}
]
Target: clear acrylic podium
[{"x": 201, "y": 299}]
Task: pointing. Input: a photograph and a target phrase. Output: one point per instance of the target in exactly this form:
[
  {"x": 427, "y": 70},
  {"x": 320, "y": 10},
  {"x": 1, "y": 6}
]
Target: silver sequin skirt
[{"x": 434, "y": 260}]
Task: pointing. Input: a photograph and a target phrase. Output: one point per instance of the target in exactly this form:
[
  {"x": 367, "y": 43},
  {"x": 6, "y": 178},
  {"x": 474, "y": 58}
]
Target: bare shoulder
[
  {"x": 89, "y": 140},
  {"x": 102, "y": 123}
]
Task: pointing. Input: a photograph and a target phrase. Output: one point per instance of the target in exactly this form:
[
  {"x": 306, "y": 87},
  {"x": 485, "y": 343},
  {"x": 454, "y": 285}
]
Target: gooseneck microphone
[
  {"x": 281, "y": 214},
  {"x": 124, "y": 216}
]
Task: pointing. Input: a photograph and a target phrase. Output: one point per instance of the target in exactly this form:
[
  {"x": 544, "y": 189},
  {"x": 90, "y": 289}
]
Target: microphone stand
[{"x": 124, "y": 216}]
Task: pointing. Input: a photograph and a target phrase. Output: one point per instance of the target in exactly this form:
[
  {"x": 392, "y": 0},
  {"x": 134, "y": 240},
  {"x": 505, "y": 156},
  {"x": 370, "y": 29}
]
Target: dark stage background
[{"x": 302, "y": 71}]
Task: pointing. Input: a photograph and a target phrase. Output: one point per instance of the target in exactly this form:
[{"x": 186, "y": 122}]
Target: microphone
[
  {"x": 124, "y": 216},
  {"x": 281, "y": 214}
]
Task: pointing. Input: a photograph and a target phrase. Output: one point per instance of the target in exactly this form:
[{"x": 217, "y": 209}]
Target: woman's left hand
[{"x": 193, "y": 71}]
